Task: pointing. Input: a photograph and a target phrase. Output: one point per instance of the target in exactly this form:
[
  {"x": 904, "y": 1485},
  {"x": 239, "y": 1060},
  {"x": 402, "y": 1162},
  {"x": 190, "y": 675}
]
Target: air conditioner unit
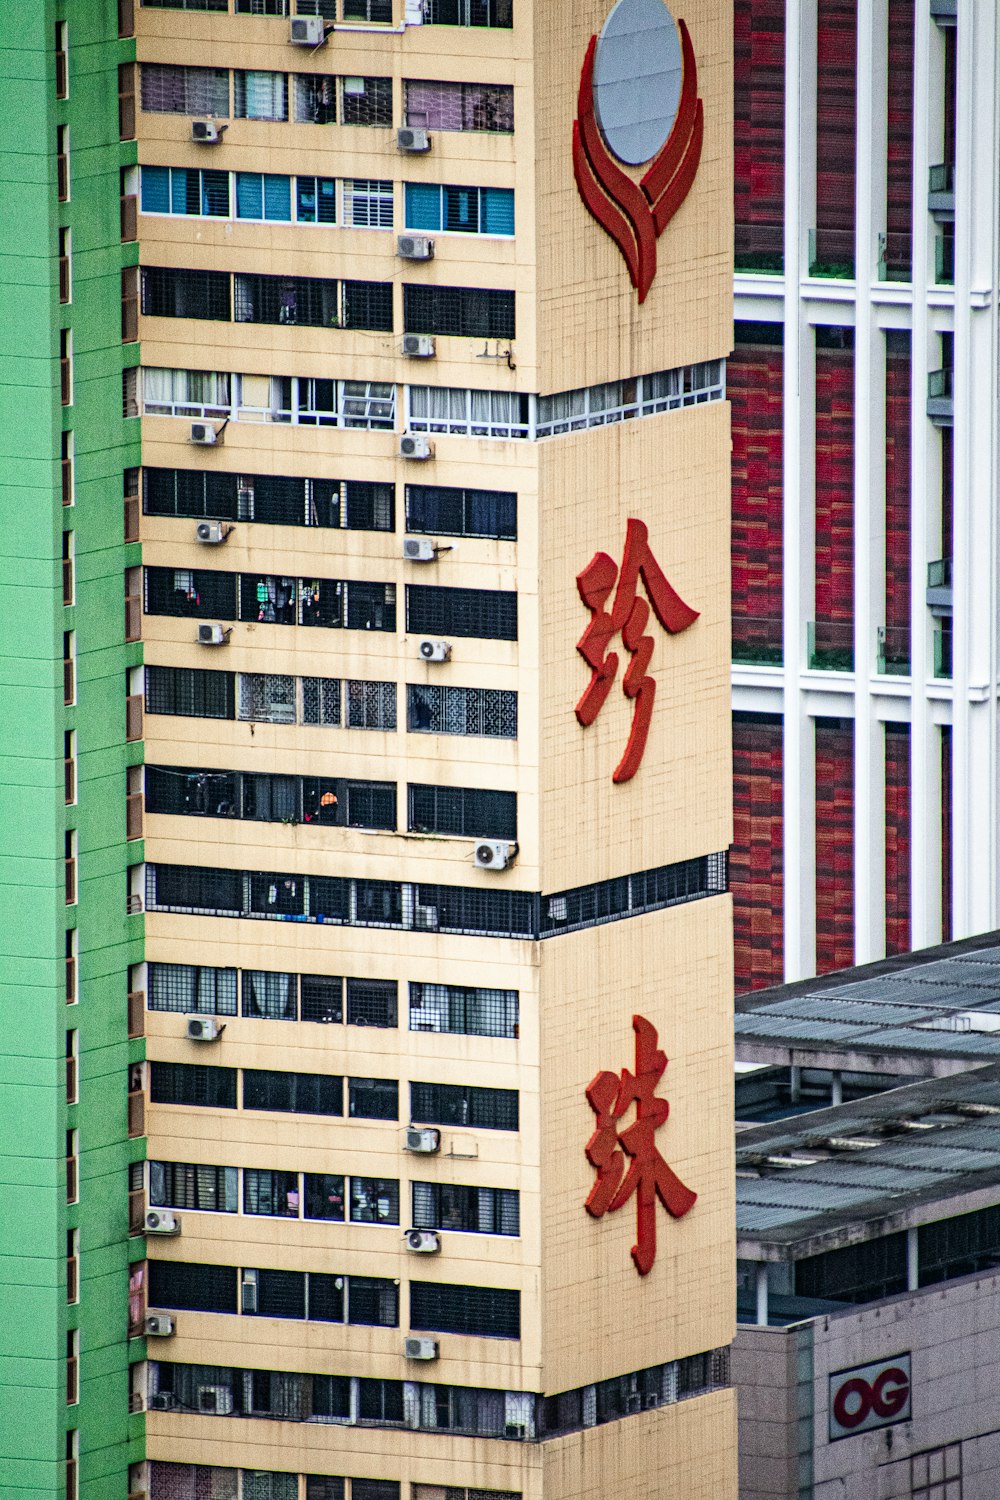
[
  {"x": 307, "y": 31},
  {"x": 426, "y": 918},
  {"x": 212, "y": 532},
  {"x": 414, "y": 247},
  {"x": 419, "y": 345},
  {"x": 207, "y": 133},
  {"x": 413, "y": 139},
  {"x": 419, "y": 549},
  {"x": 423, "y": 1142},
  {"x": 494, "y": 854},
  {"x": 414, "y": 445},
  {"x": 213, "y": 635},
  {"x": 163, "y": 1401},
  {"x": 160, "y": 1325},
  {"x": 216, "y": 1399},
  {"x": 423, "y": 1241},
  {"x": 162, "y": 1221},
  {"x": 204, "y": 1028},
  {"x": 435, "y": 650},
  {"x": 204, "y": 435},
  {"x": 414, "y": 1348}
]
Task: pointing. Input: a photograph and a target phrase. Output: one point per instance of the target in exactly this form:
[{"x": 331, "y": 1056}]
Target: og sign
[{"x": 870, "y": 1396}]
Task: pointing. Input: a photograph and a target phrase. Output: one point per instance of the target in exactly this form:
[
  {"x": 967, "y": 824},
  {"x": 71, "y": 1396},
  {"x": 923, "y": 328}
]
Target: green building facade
[{"x": 66, "y": 936}]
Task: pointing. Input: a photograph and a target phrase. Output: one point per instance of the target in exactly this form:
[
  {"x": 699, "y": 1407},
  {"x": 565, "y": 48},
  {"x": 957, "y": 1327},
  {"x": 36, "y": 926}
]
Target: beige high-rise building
[{"x": 396, "y": 392}]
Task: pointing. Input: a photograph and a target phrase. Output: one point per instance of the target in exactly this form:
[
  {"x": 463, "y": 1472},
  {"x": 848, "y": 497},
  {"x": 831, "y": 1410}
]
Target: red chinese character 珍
[
  {"x": 649, "y": 1177},
  {"x": 628, "y": 617}
]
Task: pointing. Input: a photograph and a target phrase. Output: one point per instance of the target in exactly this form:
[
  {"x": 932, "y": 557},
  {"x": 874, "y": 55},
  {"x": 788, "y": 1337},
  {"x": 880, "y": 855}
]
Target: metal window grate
[
  {"x": 463, "y": 1010},
  {"x": 463, "y": 312},
  {"x": 490, "y": 712},
  {"x": 464, "y": 1104},
  {"x": 482, "y": 1311},
  {"x": 191, "y": 990},
  {"x": 486, "y": 614},
  {"x": 467, "y": 812},
  {"x": 366, "y": 101},
  {"x": 173, "y": 293},
  {"x": 166, "y": 89},
  {"x": 439, "y": 510},
  {"x": 437, "y": 105}
]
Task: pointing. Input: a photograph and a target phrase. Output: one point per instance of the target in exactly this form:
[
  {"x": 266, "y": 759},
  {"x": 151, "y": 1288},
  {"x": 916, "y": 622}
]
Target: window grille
[
  {"x": 328, "y": 10},
  {"x": 315, "y": 97},
  {"x": 372, "y": 1302},
  {"x": 468, "y": 13},
  {"x": 170, "y": 90},
  {"x": 370, "y": 1002},
  {"x": 268, "y": 996},
  {"x": 461, "y": 811},
  {"x": 374, "y": 1200},
  {"x": 321, "y": 701},
  {"x": 322, "y": 1486},
  {"x": 170, "y": 293},
  {"x": 191, "y": 1083},
  {"x": 191, "y": 692},
  {"x": 324, "y": 1196},
  {"x": 259, "y": 1484},
  {"x": 368, "y": 202},
  {"x": 369, "y": 506},
  {"x": 192, "y": 1288},
  {"x": 366, "y": 101},
  {"x": 265, "y": 698},
  {"x": 437, "y": 510},
  {"x": 459, "y": 106},
  {"x": 193, "y": 493},
  {"x": 463, "y": 1010},
  {"x": 470, "y": 1210},
  {"x": 270, "y": 1194},
  {"x": 176, "y": 1184},
  {"x": 367, "y": 305},
  {"x": 207, "y": 5},
  {"x": 482, "y": 1311},
  {"x": 190, "y": 592},
  {"x": 462, "y": 312},
  {"x": 169, "y": 1481},
  {"x": 374, "y": 1489},
  {"x": 322, "y": 998},
  {"x": 463, "y": 1104},
  {"x": 491, "y": 712},
  {"x": 191, "y": 990},
  {"x": 302, "y": 301},
  {"x": 315, "y": 198},
  {"x": 293, "y": 1093},
  {"x": 498, "y": 414},
  {"x": 371, "y": 705},
  {"x": 262, "y": 7},
  {"x": 375, "y": 12},
  {"x": 259, "y": 96},
  {"x": 373, "y": 1098},
  {"x": 485, "y": 614}
]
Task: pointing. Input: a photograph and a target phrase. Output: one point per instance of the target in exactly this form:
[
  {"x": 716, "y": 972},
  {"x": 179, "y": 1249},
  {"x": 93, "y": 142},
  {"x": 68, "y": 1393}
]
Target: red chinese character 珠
[
  {"x": 628, "y": 617},
  {"x": 649, "y": 1177}
]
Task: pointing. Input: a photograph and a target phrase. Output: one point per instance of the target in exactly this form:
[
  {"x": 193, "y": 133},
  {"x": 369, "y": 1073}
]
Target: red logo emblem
[
  {"x": 628, "y": 617},
  {"x": 634, "y": 213},
  {"x": 649, "y": 1177}
]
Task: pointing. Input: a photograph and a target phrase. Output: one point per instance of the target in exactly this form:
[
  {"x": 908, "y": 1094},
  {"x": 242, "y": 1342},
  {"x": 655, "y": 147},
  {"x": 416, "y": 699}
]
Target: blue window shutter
[
  {"x": 423, "y": 206},
  {"x": 249, "y": 196},
  {"x": 179, "y": 189},
  {"x": 277, "y": 197},
  {"x": 155, "y": 189},
  {"x": 497, "y": 216}
]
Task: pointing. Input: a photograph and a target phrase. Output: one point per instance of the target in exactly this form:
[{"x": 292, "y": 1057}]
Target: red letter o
[{"x": 863, "y": 1391}]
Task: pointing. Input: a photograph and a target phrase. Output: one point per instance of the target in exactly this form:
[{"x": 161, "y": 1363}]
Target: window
[
  {"x": 367, "y": 305},
  {"x": 296, "y": 300},
  {"x": 168, "y": 293},
  {"x": 190, "y": 592},
  {"x": 366, "y": 101},
  {"x": 263, "y": 196},
  {"x": 463, "y": 1104},
  {"x": 191, "y": 990},
  {"x": 62, "y": 60},
  {"x": 483, "y": 1311},
  {"x": 377, "y": 12},
  {"x": 271, "y": 1194},
  {"x": 190, "y": 191},
  {"x": 437, "y": 510},
  {"x": 487, "y": 614},
  {"x": 368, "y": 203},
  {"x": 266, "y": 698},
  {"x": 460, "y": 210},
  {"x": 259, "y": 96},
  {"x": 190, "y": 691},
  {"x": 322, "y": 998},
  {"x": 293, "y": 1093},
  {"x": 372, "y": 1302},
  {"x": 370, "y": 1002},
  {"x": 462, "y": 311},
  {"x": 192, "y": 1083},
  {"x": 191, "y": 1287},
  {"x": 210, "y": 5},
  {"x": 472, "y": 711},
  {"x": 371, "y": 705},
  {"x": 65, "y": 265},
  {"x": 175, "y": 1184},
  {"x": 316, "y": 200},
  {"x": 643, "y": 396},
  {"x": 170, "y": 90},
  {"x": 324, "y": 1196},
  {"x": 374, "y": 1200},
  {"x": 468, "y": 13},
  {"x": 270, "y": 797},
  {"x": 373, "y": 1098},
  {"x": 262, "y": 7},
  {"x": 498, "y": 414},
  {"x": 470, "y": 1210},
  {"x": 463, "y": 1010},
  {"x": 62, "y": 163},
  {"x": 459, "y": 106},
  {"x": 186, "y": 393},
  {"x": 461, "y": 811},
  {"x": 315, "y": 98}
]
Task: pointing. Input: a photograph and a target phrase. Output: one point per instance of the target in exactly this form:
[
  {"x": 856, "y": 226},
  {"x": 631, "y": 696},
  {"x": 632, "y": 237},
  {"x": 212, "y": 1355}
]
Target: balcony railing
[
  {"x": 895, "y": 256},
  {"x": 830, "y": 646},
  {"x": 757, "y": 640},
  {"x": 831, "y": 253},
  {"x": 945, "y": 12},
  {"x": 944, "y": 260},
  {"x": 760, "y": 249},
  {"x": 893, "y": 650},
  {"x": 943, "y": 657},
  {"x": 137, "y": 1013},
  {"x": 941, "y": 397},
  {"x": 941, "y": 191}
]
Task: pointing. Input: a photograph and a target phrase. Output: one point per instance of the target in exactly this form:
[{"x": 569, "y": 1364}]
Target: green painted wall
[{"x": 34, "y": 1114}]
